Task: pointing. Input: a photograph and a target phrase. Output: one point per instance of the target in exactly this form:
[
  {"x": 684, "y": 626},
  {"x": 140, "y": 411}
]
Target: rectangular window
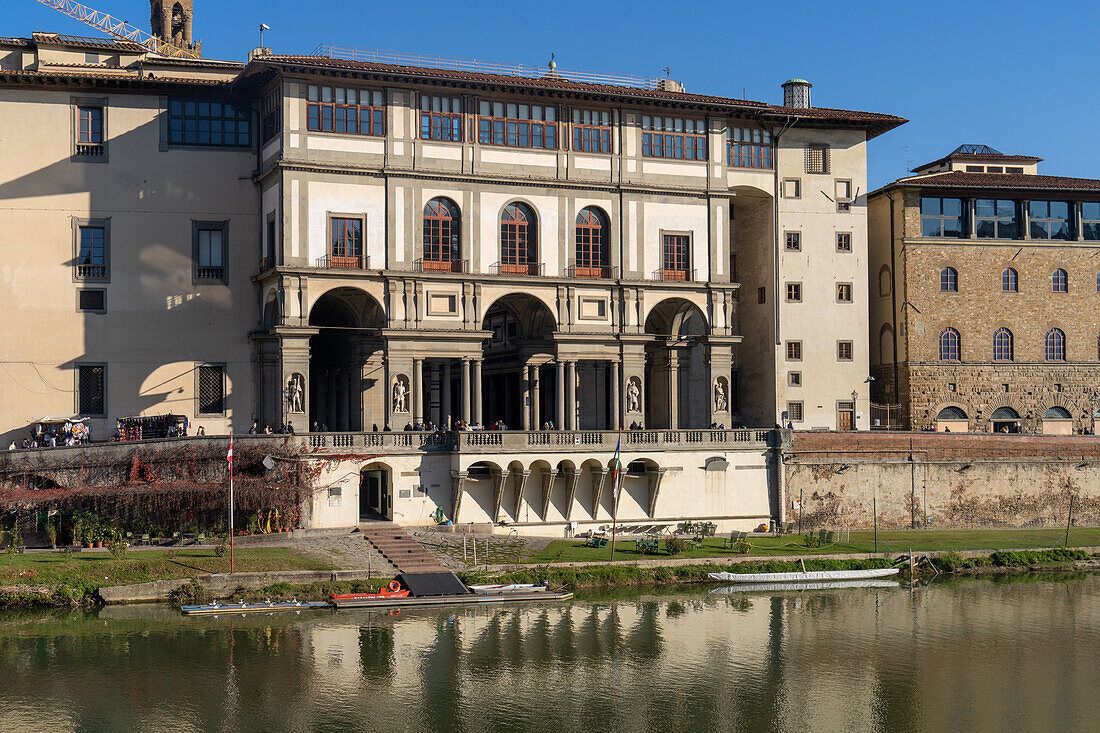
[
  {"x": 591, "y": 131},
  {"x": 817, "y": 158},
  {"x": 761, "y": 295},
  {"x": 941, "y": 217},
  {"x": 844, "y": 292},
  {"x": 844, "y": 350},
  {"x": 91, "y": 389},
  {"x": 794, "y": 379},
  {"x": 843, "y": 190},
  {"x": 1090, "y": 220},
  {"x": 208, "y": 122},
  {"x": 676, "y": 257},
  {"x": 517, "y": 125},
  {"x": 346, "y": 243},
  {"x": 794, "y": 241},
  {"x": 749, "y": 147},
  {"x": 996, "y": 219},
  {"x": 209, "y": 241},
  {"x": 994, "y": 169},
  {"x": 794, "y": 351},
  {"x": 1049, "y": 219},
  {"x": 792, "y": 188},
  {"x": 89, "y": 132},
  {"x": 91, "y": 255},
  {"x": 271, "y": 114},
  {"x": 794, "y": 292},
  {"x": 345, "y": 110},
  {"x": 441, "y": 118},
  {"x": 1013, "y": 169},
  {"x": 211, "y": 390},
  {"x": 975, "y": 169},
  {"x": 92, "y": 301},
  {"x": 794, "y": 411},
  {"x": 843, "y": 241},
  {"x": 674, "y": 137}
]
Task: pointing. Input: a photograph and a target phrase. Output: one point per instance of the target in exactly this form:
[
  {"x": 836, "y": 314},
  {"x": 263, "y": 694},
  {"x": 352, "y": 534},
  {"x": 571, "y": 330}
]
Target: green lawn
[
  {"x": 98, "y": 569},
  {"x": 889, "y": 541}
]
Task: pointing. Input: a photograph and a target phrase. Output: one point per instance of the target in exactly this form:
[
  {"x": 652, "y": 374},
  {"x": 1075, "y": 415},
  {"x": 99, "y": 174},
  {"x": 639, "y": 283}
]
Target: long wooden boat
[
  {"x": 451, "y": 600},
  {"x": 443, "y": 589},
  {"x": 215, "y": 609},
  {"x": 804, "y": 577}
]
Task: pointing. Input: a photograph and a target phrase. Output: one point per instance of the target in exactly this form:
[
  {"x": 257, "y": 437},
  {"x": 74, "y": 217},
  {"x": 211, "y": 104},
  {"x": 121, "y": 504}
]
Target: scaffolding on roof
[{"x": 332, "y": 51}]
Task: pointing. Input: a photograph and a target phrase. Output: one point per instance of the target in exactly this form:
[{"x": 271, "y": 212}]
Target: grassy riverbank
[
  {"x": 888, "y": 541},
  {"x": 54, "y": 578}
]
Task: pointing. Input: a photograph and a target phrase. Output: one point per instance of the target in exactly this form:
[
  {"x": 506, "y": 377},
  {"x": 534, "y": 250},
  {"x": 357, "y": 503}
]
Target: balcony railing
[
  {"x": 674, "y": 275},
  {"x": 601, "y": 272},
  {"x": 91, "y": 272},
  {"x": 423, "y": 265},
  {"x": 504, "y": 268},
  {"x": 91, "y": 150},
  {"x": 209, "y": 273},
  {"x": 343, "y": 262},
  {"x": 267, "y": 263}
]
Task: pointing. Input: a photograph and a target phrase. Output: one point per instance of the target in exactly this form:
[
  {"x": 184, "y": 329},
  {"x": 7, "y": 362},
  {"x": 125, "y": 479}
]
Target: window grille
[
  {"x": 91, "y": 388},
  {"x": 794, "y": 411},
  {"x": 817, "y": 158},
  {"x": 844, "y": 350},
  {"x": 949, "y": 280},
  {"x": 1055, "y": 345},
  {"x": 92, "y": 300},
  {"x": 211, "y": 390},
  {"x": 1010, "y": 281},
  {"x": 794, "y": 351},
  {"x": 1059, "y": 281}
]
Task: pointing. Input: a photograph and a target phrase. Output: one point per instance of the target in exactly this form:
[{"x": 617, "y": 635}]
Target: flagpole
[
  {"x": 231, "y": 563},
  {"x": 615, "y": 495}
]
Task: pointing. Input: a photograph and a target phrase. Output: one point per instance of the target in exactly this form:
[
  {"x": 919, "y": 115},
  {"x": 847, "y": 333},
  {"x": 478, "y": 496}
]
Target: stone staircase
[{"x": 400, "y": 549}]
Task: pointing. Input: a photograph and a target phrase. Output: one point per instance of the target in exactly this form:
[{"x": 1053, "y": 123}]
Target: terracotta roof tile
[
  {"x": 121, "y": 76},
  {"x": 960, "y": 179}
]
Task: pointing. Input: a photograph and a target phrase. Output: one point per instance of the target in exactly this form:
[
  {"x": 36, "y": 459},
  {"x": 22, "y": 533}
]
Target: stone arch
[
  {"x": 1004, "y": 415},
  {"x": 885, "y": 281},
  {"x": 522, "y": 327},
  {"x": 639, "y": 476},
  {"x": 375, "y": 499},
  {"x": 562, "y": 488},
  {"x": 591, "y": 489},
  {"x": 272, "y": 313},
  {"x": 536, "y": 495},
  {"x": 677, "y": 388},
  {"x": 951, "y": 417},
  {"x": 513, "y": 491},
  {"x": 886, "y": 344},
  {"x": 483, "y": 479}
]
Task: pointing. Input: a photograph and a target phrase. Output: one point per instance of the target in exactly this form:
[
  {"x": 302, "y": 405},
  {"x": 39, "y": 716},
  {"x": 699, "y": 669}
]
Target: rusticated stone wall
[{"x": 940, "y": 480}]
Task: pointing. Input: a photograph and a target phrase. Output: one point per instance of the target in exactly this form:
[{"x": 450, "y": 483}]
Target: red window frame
[
  {"x": 591, "y": 243},
  {"x": 675, "y": 256},
  {"x": 749, "y": 147},
  {"x": 346, "y": 242},
  {"x": 437, "y": 123},
  {"x": 517, "y": 240},
  {"x": 344, "y": 117},
  {"x": 441, "y": 235},
  {"x": 590, "y": 133}
]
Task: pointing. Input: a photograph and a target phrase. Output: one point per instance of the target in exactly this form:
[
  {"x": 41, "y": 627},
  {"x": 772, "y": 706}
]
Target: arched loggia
[
  {"x": 677, "y": 389},
  {"x": 345, "y": 370}
]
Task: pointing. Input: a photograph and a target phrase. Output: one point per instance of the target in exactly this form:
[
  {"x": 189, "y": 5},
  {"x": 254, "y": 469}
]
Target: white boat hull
[
  {"x": 818, "y": 585},
  {"x": 799, "y": 577},
  {"x": 510, "y": 588}
]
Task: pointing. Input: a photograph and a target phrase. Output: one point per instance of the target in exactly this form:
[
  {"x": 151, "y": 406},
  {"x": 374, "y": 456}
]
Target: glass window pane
[
  {"x": 1090, "y": 210},
  {"x": 952, "y": 207},
  {"x": 930, "y": 227},
  {"x": 985, "y": 207},
  {"x": 1059, "y": 210},
  {"x": 929, "y": 205}
]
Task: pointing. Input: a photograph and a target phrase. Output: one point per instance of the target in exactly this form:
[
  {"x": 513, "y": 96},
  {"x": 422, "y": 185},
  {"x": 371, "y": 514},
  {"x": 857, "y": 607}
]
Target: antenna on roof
[{"x": 668, "y": 72}]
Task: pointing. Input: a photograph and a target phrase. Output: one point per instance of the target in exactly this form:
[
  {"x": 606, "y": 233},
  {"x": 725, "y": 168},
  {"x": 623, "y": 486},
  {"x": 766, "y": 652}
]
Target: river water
[{"x": 1012, "y": 654}]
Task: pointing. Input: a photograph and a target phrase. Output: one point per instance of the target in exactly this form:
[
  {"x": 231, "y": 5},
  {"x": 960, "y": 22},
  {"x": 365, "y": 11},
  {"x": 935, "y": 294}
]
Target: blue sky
[{"x": 1013, "y": 75}]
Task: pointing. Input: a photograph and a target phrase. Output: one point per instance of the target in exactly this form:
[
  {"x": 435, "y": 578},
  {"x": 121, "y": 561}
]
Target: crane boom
[{"x": 119, "y": 28}]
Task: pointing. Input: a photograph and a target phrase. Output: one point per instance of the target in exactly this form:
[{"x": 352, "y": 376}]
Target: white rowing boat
[
  {"x": 804, "y": 577},
  {"x": 818, "y": 585},
  {"x": 486, "y": 590}
]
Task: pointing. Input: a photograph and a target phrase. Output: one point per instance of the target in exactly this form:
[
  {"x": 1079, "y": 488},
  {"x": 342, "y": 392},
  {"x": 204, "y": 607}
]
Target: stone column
[
  {"x": 445, "y": 403},
  {"x": 475, "y": 376},
  {"x": 525, "y": 398},
  {"x": 571, "y": 395},
  {"x": 434, "y": 406},
  {"x": 533, "y": 379},
  {"x": 560, "y": 367},
  {"x": 417, "y": 391},
  {"x": 465, "y": 389},
  {"x": 616, "y": 407},
  {"x": 673, "y": 390}
]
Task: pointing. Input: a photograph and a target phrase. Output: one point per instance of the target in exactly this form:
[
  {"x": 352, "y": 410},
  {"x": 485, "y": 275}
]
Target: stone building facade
[{"x": 984, "y": 318}]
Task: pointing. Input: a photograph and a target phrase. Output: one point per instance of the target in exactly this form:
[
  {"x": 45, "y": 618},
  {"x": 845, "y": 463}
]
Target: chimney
[
  {"x": 796, "y": 93},
  {"x": 669, "y": 85}
]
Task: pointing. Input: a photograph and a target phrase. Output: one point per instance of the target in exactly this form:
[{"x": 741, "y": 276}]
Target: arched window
[
  {"x": 951, "y": 413},
  {"x": 442, "y": 236},
  {"x": 950, "y": 349},
  {"x": 592, "y": 233},
  {"x": 949, "y": 280},
  {"x": 1010, "y": 281},
  {"x": 1002, "y": 345},
  {"x": 1055, "y": 345},
  {"x": 518, "y": 240},
  {"x": 1059, "y": 281},
  {"x": 1057, "y": 412}
]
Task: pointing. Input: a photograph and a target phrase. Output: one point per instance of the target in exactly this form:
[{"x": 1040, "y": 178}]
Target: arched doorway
[
  {"x": 952, "y": 419},
  {"x": 375, "y": 493},
  {"x": 1004, "y": 420},
  {"x": 677, "y": 390},
  {"x": 522, "y": 329},
  {"x": 1057, "y": 421},
  {"x": 345, "y": 369}
]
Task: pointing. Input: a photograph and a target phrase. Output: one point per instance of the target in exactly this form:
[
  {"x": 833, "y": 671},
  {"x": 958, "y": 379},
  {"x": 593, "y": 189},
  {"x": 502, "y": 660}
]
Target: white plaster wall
[
  {"x": 688, "y": 216},
  {"x": 546, "y": 209},
  {"x": 346, "y": 198}
]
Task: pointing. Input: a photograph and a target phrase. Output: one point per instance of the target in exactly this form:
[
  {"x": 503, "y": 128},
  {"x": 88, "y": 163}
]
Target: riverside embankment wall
[{"x": 940, "y": 480}]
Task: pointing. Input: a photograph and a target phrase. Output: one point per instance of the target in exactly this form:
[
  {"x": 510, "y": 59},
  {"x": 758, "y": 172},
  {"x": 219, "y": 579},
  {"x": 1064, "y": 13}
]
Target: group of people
[
  {"x": 67, "y": 434},
  {"x": 287, "y": 429}
]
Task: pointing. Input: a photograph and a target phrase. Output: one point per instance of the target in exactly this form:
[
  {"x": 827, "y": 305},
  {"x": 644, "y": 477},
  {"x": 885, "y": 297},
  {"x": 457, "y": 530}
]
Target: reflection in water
[{"x": 978, "y": 655}]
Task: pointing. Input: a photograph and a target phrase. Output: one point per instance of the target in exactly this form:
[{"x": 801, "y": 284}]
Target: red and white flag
[{"x": 229, "y": 457}]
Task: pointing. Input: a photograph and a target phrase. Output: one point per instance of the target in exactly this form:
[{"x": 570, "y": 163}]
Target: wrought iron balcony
[
  {"x": 674, "y": 275},
  {"x": 504, "y": 268},
  {"x": 343, "y": 262},
  {"x": 599, "y": 272},
  {"x": 423, "y": 265}
]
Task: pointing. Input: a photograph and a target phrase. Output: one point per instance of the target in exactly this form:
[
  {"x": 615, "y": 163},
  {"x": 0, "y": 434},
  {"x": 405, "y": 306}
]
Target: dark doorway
[{"x": 375, "y": 495}]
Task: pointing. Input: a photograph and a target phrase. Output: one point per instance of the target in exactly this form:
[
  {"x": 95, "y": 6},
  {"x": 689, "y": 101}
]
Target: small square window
[
  {"x": 794, "y": 411},
  {"x": 952, "y": 387},
  {"x": 843, "y": 241},
  {"x": 794, "y": 379},
  {"x": 844, "y": 350},
  {"x": 794, "y": 351},
  {"x": 794, "y": 292},
  {"x": 794, "y": 241},
  {"x": 844, "y": 292},
  {"x": 761, "y": 295},
  {"x": 92, "y": 301},
  {"x": 792, "y": 188}
]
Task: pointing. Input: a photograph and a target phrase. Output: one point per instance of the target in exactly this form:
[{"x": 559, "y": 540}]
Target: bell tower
[{"x": 171, "y": 22}]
